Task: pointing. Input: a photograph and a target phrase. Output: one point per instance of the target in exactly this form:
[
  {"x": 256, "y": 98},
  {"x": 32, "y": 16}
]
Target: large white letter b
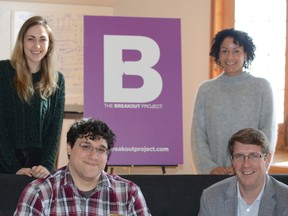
[{"x": 116, "y": 69}]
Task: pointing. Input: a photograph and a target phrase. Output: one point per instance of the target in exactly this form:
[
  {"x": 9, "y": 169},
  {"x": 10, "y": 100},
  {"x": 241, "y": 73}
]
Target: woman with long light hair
[{"x": 32, "y": 98}]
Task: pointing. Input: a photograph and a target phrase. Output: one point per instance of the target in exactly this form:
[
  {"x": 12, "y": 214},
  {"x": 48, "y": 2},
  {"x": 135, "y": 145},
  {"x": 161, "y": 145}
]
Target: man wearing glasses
[
  {"x": 83, "y": 187},
  {"x": 251, "y": 191}
]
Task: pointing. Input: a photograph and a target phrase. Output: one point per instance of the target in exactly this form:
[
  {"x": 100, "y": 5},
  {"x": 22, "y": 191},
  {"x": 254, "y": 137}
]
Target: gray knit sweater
[
  {"x": 28, "y": 126},
  {"x": 223, "y": 106}
]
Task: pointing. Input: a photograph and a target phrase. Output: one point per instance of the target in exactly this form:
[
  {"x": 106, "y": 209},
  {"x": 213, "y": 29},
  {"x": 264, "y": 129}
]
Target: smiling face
[
  {"x": 231, "y": 57},
  {"x": 87, "y": 165},
  {"x": 36, "y": 43},
  {"x": 250, "y": 174}
]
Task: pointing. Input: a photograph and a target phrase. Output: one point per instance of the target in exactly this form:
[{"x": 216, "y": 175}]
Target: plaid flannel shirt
[{"x": 58, "y": 196}]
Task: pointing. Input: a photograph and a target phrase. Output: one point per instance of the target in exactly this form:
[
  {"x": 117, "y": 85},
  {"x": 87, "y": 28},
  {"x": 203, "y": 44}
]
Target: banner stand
[{"x": 129, "y": 78}]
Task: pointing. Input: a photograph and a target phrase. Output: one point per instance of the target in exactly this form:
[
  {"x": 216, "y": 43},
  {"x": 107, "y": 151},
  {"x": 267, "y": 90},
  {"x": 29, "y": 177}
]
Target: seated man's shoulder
[
  {"x": 118, "y": 180},
  {"x": 279, "y": 186},
  {"x": 49, "y": 182},
  {"x": 221, "y": 186}
]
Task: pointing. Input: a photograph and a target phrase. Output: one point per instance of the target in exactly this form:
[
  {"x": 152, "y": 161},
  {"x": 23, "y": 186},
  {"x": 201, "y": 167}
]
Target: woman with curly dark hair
[{"x": 233, "y": 101}]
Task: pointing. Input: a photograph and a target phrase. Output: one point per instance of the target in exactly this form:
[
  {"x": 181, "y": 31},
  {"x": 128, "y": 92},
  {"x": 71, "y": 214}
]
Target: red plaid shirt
[{"x": 58, "y": 196}]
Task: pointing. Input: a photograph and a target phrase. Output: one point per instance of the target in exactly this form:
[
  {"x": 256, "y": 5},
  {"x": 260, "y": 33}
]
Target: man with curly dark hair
[
  {"x": 234, "y": 100},
  {"x": 83, "y": 187}
]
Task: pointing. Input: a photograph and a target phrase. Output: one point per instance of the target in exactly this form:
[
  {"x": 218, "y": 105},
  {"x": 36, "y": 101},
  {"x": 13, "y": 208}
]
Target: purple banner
[{"x": 132, "y": 81}]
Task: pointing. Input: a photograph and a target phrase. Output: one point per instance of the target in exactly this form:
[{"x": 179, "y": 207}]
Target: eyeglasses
[
  {"x": 89, "y": 148},
  {"x": 252, "y": 157}
]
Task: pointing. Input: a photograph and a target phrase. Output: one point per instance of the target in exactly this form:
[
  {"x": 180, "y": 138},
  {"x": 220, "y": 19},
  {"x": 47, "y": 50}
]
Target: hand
[
  {"x": 40, "y": 171},
  {"x": 219, "y": 171},
  {"x": 230, "y": 171},
  {"x": 25, "y": 171}
]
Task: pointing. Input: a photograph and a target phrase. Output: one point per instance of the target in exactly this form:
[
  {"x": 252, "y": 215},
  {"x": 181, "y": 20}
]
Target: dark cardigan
[{"x": 35, "y": 126}]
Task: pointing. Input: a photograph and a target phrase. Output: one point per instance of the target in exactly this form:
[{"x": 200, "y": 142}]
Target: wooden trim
[
  {"x": 285, "y": 120},
  {"x": 277, "y": 169}
]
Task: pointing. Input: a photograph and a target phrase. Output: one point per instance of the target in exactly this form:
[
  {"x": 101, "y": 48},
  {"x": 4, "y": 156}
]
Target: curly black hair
[
  {"x": 91, "y": 128},
  {"x": 240, "y": 38}
]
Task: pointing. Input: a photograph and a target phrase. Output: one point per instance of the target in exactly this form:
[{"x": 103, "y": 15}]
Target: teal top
[{"x": 26, "y": 126}]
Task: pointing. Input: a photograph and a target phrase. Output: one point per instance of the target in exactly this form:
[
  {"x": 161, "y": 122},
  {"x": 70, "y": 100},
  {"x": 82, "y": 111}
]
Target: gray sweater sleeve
[
  {"x": 267, "y": 121},
  {"x": 202, "y": 157}
]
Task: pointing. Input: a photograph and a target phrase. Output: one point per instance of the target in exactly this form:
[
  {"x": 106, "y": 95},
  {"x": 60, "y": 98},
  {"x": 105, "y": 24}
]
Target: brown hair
[
  {"x": 251, "y": 136},
  {"x": 23, "y": 79}
]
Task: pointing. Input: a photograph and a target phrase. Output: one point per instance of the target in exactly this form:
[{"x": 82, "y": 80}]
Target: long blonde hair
[{"x": 23, "y": 79}]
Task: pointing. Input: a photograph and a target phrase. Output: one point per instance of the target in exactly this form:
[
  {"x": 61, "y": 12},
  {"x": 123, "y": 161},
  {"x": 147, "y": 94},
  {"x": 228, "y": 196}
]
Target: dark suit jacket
[{"x": 220, "y": 199}]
